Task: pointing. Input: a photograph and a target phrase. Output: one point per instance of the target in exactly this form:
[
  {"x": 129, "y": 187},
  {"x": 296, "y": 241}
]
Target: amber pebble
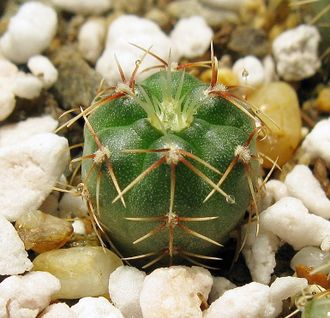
[
  {"x": 82, "y": 271},
  {"x": 43, "y": 232},
  {"x": 225, "y": 76},
  {"x": 323, "y": 100},
  {"x": 279, "y": 106},
  {"x": 316, "y": 278}
]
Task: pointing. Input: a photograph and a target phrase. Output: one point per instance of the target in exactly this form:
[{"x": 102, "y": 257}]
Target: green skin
[{"x": 217, "y": 128}]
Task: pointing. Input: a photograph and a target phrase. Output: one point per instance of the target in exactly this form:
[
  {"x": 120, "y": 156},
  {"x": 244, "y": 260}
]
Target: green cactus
[{"x": 169, "y": 166}]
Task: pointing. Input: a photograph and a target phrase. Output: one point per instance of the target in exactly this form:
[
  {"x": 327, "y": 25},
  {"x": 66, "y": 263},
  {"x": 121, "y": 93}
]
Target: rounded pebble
[
  {"x": 82, "y": 271},
  {"x": 323, "y": 100},
  {"x": 279, "y": 106}
]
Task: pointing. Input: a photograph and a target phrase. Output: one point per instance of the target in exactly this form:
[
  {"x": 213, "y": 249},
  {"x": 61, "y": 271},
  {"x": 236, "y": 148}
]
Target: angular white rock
[
  {"x": 58, "y": 310},
  {"x": 296, "y": 52},
  {"x": 14, "y": 259},
  {"x": 317, "y": 142},
  {"x": 219, "y": 287},
  {"x": 92, "y": 307},
  {"x": 174, "y": 292},
  {"x": 290, "y": 221},
  {"x": 259, "y": 253},
  {"x": 16, "y": 133},
  {"x": 255, "y": 299},
  {"x": 91, "y": 39},
  {"x": 28, "y": 295},
  {"x": 283, "y": 288},
  {"x": 249, "y": 301},
  {"x": 28, "y": 171},
  {"x": 249, "y": 71},
  {"x": 191, "y": 36},
  {"x": 29, "y": 32},
  {"x": 131, "y": 29},
  {"x": 85, "y": 7},
  {"x": 302, "y": 185},
  {"x": 42, "y": 68},
  {"x": 125, "y": 285},
  {"x": 274, "y": 190}
]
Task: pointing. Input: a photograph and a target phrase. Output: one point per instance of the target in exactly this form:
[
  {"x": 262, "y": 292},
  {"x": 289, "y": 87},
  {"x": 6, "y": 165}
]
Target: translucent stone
[
  {"x": 225, "y": 76},
  {"x": 323, "y": 100},
  {"x": 82, "y": 271},
  {"x": 279, "y": 106},
  {"x": 43, "y": 232}
]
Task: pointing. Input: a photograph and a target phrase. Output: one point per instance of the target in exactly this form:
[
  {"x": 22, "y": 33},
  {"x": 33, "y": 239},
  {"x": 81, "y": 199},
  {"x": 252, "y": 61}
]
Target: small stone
[
  {"x": 132, "y": 29},
  {"x": 125, "y": 286},
  {"x": 191, "y": 36},
  {"x": 302, "y": 185},
  {"x": 289, "y": 219},
  {"x": 7, "y": 102},
  {"x": 309, "y": 256},
  {"x": 29, "y": 170},
  {"x": 72, "y": 206},
  {"x": 14, "y": 259},
  {"x": 42, "y": 232},
  {"x": 27, "y": 86},
  {"x": 279, "y": 109},
  {"x": 15, "y": 133},
  {"x": 213, "y": 16},
  {"x": 175, "y": 292},
  {"x": 91, "y": 39},
  {"x": 42, "y": 68},
  {"x": 29, "y": 32},
  {"x": 317, "y": 142},
  {"x": 85, "y": 7},
  {"x": 323, "y": 100},
  {"x": 249, "y": 71},
  {"x": 77, "y": 82},
  {"x": 296, "y": 53},
  {"x": 249, "y": 41},
  {"x": 58, "y": 310},
  {"x": 28, "y": 295},
  {"x": 82, "y": 271},
  {"x": 225, "y": 76},
  {"x": 219, "y": 287},
  {"x": 159, "y": 17},
  {"x": 225, "y": 4},
  {"x": 89, "y": 307}
]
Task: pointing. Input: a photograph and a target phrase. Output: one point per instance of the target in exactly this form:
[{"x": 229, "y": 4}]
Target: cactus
[{"x": 169, "y": 164}]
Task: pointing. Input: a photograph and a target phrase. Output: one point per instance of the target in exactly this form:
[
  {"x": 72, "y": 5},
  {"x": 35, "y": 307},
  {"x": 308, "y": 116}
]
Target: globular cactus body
[{"x": 158, "y": 153}]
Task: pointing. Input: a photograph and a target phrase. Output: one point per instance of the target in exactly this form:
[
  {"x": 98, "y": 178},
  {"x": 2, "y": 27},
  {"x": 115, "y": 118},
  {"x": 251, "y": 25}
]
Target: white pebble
[
  {"x": 274, "y": 190},
  {"x": 249, "y": 71},
  {"x": 7, "y": 104},
  {"x": 29, "y": 32},
  {"x": 14, "y": 259},
  {"x": 58, "y": 310},
  {"x": 219, "y": 287},
  {"x": 296, "y": 52},
  {"x": 43, "y": 68},
  {"x": 95, "y": 307},
  {"x": 85, "y": 7},
  {"x": 269, "y": 69},
  {"x": 259, "y": 253},
  {"x": 91, "y": 39},
  {"x": 125, "y": 285},
  {"x": 302, "y": 185},
  {"x": 174, "y": 292},
  {"x": 28, "y": 171},
  {"x": 248, "y": 301},
  {"x": 255, "y": 299},
  {"x": 27, "y": 86},
  {"x": 15, "y": 133},
  {"x": 131, "y": 29},
  {"x": 28, "y": 295},
  {"x": 72, "y": 205},
  {"x": 290, "y": 221},
  {"x": 191, "y": 36},
  {"x": 317, "y": 142}
]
